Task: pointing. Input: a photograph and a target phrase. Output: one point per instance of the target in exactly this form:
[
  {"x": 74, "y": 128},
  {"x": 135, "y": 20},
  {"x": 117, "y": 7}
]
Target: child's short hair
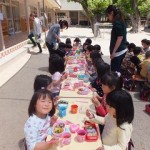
[
  {"x": 137, "y": 50},
  {"x": 123, "y": 104},
  {"x": 37, "y": 95},
  {"x": 102, "y": 68},
  {"x": 147, "y": 54},
  {"x": 62, "y": 45},
  {"x": 95, "y": 54},
  {"x": 68, "y": 41},
  {"x": 90, "y": 48},
  {"x": 56, "y": 64},
  {"x": 68, "y": 46},
  {"x": 111, "y": 79},
  {"x": 89, "y": 41},
  {"x": 147, "y": 42},
  {"x": 97, "y": 47},
  {"x": 41, "y": 82},
  {"x": 77, "y": 40},
  {"x": 131, "y": 46}
]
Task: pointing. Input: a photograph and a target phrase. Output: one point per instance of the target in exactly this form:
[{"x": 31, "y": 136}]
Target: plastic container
[
  {"x": 66, "y": 138},
  {"x": 91, "y": 131},
  {"x": 74, "y": 109},
  {"x": 74, "y": 127},
  {"x": 81, "y": 135},
  {"x": 80, "y": 76},
  {"x": 62, "y": 109},
  {"x": 58, "y": 129}
]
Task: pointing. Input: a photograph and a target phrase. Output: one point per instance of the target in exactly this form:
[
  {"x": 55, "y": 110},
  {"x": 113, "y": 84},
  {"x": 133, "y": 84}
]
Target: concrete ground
[{"x": 16, "y": 93}]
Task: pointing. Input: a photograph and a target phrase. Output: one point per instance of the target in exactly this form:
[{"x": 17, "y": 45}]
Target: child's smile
[{"x": 43, "y": 107}]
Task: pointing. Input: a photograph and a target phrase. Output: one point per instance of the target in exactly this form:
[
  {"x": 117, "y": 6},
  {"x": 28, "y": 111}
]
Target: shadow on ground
[{"x": 44, "y": 69}]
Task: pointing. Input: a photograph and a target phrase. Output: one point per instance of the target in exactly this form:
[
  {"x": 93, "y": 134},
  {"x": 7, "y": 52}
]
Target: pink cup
[
  {"x": 81, "y": 135},
  {"x": 66, "y": 138}
]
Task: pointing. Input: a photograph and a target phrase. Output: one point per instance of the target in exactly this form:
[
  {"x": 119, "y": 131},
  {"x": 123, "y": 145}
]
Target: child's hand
[
  {"x": 96, "y": 101},
  {"x": 89, "y": 114},
  {"x": 53, "y": 120},
  {"x": 56, "y": 100},
  {"x": 54, "y": 142},
  {"x": 64, "y": 76}
]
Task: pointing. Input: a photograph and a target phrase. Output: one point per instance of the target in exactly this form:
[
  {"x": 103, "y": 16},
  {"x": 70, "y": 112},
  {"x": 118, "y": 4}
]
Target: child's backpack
[{"x": 145, "y": 93}]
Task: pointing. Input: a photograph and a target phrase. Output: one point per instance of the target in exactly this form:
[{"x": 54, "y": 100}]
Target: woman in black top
[{"x": 118, "y": 42}]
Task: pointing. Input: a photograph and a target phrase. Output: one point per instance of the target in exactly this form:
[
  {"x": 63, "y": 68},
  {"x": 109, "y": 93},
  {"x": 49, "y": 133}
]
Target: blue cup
[{"x": 62, "y": 110}]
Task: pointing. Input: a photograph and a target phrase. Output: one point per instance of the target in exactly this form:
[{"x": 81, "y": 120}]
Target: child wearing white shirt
[
  {"x": 118, "y": 122},
  {"x": 56, "y": 68},
  {"x": 41, "y": 116}
]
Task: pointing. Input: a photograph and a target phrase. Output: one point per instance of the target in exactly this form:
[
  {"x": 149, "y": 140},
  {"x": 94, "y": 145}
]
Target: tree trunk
[
  {"x": 135, "y": 17},
  {"x": 92, "y": 19}
]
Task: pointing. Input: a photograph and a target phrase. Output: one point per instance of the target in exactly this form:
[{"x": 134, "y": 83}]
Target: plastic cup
[
  {"x": 66, "y": 138},
  {"x": 74, "y": 109},
  {"x": 62, "y": 111},
  {"x": 81, "y": 135}
]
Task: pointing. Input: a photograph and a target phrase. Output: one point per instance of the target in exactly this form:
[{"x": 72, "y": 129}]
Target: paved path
[{"x": 16, "y": 94}]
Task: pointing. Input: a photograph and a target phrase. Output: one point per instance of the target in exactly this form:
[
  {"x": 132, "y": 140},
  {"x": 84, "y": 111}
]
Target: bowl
[{"x": 58, "y": 129}]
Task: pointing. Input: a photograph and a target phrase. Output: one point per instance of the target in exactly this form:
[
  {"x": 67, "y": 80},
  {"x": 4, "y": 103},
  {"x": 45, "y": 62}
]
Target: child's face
[
  {"x": 106, "y": 89},
  {"x": 145, "y": 45},
  {"x": 111, "y": 110},
  {"x": 87, "y": 52},
  {"x": 43, "y": 106}
]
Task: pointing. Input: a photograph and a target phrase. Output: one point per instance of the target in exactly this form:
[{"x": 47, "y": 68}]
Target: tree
[
  {"x": 134, "y": 9},
  {"x": 92, "y": 8}
]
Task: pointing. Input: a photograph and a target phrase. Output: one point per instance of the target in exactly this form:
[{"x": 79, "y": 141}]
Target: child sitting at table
[
  {"x": 68, "y": 41},
  {"x": 118, "y": 122},
  {"x": 109, "y": 82},
  {"x": 94, "y": 55},
  {"x": 135, "y": 60},
  {"x": 69, "y": 51},
  {"x": 56, "y": 68},
  {"x": 145, "y": 65},
  {"x": 42, "y": 82},
  {"x": 76, "y": 44},
  {"x": 98, "y": 48},
  {"x": 89, "y": 67},
  {"x": 41, "y": 110},
  {"x": 129, "y": 53},
  {"x": 146, "y": 45},
  {"x": 101, "y": 68}
]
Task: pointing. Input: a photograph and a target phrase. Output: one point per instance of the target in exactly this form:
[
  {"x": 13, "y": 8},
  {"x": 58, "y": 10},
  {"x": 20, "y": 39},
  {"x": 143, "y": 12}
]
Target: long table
[
  {"x": 78, "y": 118},
  {"x": 84, "y": 102}
]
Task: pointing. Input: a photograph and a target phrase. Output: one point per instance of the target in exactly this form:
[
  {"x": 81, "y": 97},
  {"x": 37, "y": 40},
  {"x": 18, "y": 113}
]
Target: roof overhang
[{"x": 54, "y": 3}]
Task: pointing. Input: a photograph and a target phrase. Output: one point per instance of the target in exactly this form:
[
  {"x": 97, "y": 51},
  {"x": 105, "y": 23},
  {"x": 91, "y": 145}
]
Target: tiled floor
[{"x": 15, "y": 39}]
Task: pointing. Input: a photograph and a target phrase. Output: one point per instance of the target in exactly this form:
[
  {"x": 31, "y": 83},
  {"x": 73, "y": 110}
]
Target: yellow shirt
[{"x": 145, "y": 65}]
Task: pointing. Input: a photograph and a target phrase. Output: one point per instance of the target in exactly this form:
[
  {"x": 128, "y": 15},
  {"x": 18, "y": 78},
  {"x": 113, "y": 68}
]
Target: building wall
[{"x": 21, "y": 14}]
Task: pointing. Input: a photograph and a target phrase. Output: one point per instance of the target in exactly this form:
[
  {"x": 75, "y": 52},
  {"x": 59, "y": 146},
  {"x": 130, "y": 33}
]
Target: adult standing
[
  {"x": 53, "y": 36},
  {"x": 37, "y": 30},
  {"x": 118, "y": 42}
]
